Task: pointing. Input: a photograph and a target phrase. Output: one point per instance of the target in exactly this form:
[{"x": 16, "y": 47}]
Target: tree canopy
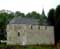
[
  {"x": 54, "y": 16},
  {"x": 51, "y": 17},
  {"x": 6, "y": 16},
  {"x": 54, "y": 19}
]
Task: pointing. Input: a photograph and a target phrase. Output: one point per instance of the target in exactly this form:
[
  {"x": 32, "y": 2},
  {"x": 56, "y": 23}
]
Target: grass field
[{"x": 4, "y": 46}]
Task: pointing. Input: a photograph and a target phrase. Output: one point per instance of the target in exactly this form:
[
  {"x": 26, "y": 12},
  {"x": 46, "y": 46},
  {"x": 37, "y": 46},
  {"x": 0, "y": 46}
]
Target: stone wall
[{"x": 23, "y": 34}]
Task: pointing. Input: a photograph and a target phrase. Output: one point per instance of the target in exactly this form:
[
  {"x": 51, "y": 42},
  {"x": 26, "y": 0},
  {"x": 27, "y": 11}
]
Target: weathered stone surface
[{"x": 28, "y": 35}]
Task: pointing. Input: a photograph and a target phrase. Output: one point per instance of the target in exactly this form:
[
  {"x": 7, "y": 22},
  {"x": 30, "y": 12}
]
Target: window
[
  {"x": 18, "y": 33},
  {"x": 31, "y": 27},
  {"x": 38, "y": 27},
  {"x": 45, "y": 27}
]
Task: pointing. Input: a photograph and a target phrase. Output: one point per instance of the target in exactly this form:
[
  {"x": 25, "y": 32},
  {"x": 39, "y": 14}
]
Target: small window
[
  {"x": 18, "y": 33},
  {"x": 38, "y": 27},
  {"x": 45, "y": 27},
  {"x": 31, "y": 27}
]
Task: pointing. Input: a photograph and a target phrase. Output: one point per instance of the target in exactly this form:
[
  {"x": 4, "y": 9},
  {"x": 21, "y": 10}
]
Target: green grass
[{"x": 30, "y": 46}]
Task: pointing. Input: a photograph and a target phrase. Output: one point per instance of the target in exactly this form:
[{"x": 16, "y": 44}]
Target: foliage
[
  {"x": 36, "y": 15},
  {"x": 6, "y": 17},
  {"x": 54, "y": 16},
  {"x": 51, "y": 17},
  {"x": 57, "y": 12},
  {"x": 18, "y": 13},
  {"x": 54, "y": 19}
]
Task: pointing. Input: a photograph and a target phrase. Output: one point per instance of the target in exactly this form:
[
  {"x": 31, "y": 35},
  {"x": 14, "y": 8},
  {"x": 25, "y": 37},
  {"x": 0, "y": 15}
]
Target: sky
[{"x": 26, "y": 6}]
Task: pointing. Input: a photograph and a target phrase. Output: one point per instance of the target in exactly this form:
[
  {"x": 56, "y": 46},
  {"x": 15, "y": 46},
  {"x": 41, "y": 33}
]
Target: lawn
[{"x": 4, "y": 46}]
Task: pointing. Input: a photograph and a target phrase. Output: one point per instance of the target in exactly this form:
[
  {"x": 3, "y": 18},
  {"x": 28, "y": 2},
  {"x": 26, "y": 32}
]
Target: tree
[
  {"x": 5, "y": 17},
  {"x": 57, "y": 24},
  {"x": 22, "y": 15},
  {"x": 18, "y": 13},
  {"x": 10, "y": 16},
  {"x": 28, "y": 15},
  {"x": 54, "y": 19},
  {"x": 43, "y": 18},
  {"x": 54, "y": 16},
  {"x": 35, "y": 15},
  {"x": 51, "y": 17},
  {"x": 57, "y": 12},
  {"x": 3, "y": 23},
  {"x": 43, "y": 13}
]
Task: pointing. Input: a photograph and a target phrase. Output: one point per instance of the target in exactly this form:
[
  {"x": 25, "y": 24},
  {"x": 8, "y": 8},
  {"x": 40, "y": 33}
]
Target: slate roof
[{"x": 19, "y": 20}]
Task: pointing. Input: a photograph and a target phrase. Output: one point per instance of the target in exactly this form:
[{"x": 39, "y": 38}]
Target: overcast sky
[{"x": 26, "y": 6}]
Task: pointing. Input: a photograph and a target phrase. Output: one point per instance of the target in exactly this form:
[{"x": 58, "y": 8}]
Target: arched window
[
  {"x": 31, "y": 27},
  {"x": 18, "y": 33}
]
